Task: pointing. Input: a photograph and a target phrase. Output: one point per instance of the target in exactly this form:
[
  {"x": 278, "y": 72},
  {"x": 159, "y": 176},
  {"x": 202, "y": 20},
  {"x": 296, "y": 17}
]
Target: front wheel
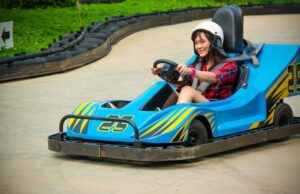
[{"x": 197, "y": 134}]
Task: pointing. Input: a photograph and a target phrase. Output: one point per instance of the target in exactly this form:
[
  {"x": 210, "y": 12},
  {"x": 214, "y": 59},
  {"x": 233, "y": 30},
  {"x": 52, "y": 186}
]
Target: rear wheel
[
  {"x": 283, "y": 117},
  {"x": 197, "y": 134}
]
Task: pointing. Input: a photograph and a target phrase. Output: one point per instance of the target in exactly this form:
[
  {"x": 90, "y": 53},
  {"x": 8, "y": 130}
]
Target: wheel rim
[
  {"x": 284, "y": 120},
  {"x": 194, "y": 139}
]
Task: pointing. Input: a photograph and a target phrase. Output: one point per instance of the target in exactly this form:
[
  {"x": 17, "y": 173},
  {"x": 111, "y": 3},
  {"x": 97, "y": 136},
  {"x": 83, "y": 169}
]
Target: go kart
[{"x": 153, "y": 128}]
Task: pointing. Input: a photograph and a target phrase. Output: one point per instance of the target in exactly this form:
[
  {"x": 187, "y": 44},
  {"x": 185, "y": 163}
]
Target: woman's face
[{"x": 202, "y": 44}]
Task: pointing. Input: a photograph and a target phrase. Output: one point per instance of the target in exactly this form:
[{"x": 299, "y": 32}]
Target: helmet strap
[{"x": 216, "y": 43}]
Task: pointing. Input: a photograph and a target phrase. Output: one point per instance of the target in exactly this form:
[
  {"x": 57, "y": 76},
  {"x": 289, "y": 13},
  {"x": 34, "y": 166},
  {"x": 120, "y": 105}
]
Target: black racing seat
[{"x": 231, "y": 20}]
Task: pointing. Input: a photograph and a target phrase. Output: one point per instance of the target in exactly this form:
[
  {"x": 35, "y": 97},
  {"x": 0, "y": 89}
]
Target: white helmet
[{"x": 211, "y": 27}]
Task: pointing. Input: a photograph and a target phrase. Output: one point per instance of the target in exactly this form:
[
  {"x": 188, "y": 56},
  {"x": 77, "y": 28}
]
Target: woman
[{"x": 212, "y": 77}]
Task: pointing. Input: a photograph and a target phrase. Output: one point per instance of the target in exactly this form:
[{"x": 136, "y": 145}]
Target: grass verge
[{"x": 36, "y": 28}]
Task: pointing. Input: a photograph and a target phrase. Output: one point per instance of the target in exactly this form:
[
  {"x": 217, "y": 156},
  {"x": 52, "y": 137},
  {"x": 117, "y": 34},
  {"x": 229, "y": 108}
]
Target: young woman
[{"x": 209, "y": 69}]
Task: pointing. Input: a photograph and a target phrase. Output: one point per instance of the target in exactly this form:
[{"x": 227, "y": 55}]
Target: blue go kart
[{"x": 150, "y": 128}]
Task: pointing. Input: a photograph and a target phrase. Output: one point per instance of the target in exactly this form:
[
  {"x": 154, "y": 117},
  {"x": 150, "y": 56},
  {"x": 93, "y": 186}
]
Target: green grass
[{"x": 36, "y": 28}]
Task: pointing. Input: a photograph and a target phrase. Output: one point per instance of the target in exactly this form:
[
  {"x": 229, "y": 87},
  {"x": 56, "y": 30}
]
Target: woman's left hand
[{"x": 183, "y": 69}]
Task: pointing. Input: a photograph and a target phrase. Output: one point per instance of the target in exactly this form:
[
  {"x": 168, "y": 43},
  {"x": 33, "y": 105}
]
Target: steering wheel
[{"x": 169, "y": 73}]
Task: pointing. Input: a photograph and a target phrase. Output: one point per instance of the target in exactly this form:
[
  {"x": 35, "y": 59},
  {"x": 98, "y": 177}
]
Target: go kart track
[{"x": 30, "y": 110}]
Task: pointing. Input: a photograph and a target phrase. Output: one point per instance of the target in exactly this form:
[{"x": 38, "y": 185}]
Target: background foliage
[
  {"x": 8, "y": 4},
  {"x": 36, "y": 28}
]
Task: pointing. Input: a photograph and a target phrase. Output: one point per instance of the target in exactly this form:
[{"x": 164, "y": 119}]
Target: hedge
[{"x": 27, "y": 4}]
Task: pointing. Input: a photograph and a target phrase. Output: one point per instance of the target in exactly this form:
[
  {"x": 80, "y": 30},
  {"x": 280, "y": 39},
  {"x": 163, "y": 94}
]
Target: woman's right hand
[{"x": 155, "y": 70}]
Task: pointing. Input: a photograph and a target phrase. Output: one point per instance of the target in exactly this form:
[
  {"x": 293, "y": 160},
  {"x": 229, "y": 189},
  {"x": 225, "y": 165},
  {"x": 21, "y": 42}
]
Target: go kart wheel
[
  {"x": 197, "y": 134},
  {"x": 283, "y": 116}
]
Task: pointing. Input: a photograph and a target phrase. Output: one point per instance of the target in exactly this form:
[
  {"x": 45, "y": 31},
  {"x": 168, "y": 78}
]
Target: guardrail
[{"x": 94, "y": 42}]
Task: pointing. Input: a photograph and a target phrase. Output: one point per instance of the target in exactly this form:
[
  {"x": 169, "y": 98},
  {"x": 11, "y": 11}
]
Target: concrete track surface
[{"x": 30, "y": 110}]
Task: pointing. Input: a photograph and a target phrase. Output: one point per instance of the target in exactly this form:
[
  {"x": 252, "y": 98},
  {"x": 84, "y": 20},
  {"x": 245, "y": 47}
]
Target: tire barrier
[
  {"x": 95, "y": 41},
  {"x": 100, "y": 1}
]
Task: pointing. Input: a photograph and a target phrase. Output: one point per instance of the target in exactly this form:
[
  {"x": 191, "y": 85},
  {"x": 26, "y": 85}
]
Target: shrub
[{"x": 27, "y": 4}]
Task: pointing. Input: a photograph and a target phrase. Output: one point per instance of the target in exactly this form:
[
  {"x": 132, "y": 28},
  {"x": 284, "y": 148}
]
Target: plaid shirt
[{"x": 226, "y": 77}]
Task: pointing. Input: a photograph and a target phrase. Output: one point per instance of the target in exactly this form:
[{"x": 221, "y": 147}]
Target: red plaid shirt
[{"x": 226, "y": 77}]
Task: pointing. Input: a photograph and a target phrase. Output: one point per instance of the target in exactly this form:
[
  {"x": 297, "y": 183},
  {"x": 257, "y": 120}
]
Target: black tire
[
  {"x": 27, "y": 62},
  {"x": 96, "y": 35},
  {"x": 197, "y": 134},
  {"x": 87, "y": 45},
  {"x": 283, "y": 116},
  {"x": 58, "y": 56},
  {"x": 122, "y": 24}
]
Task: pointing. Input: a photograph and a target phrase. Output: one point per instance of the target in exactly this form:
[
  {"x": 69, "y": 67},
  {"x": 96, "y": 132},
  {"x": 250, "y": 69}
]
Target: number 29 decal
[{"x": 113, "y": 126}]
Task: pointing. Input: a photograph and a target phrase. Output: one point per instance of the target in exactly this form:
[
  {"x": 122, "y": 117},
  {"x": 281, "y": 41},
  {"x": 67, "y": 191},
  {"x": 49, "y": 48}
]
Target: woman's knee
[
  {"x": 187, "y": 89},
  {"x": 186, "y": 94},
  {"x": 189, "y": 94}
]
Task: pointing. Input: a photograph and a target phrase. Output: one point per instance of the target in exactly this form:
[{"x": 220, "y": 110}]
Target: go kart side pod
[{"x": 59, "y": 142}]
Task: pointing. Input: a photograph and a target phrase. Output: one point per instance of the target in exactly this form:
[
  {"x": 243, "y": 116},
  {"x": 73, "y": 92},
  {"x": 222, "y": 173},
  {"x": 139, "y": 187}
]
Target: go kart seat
[{"x": 230, "y": 18}]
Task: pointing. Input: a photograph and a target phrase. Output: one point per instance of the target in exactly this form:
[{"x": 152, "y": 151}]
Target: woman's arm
[{"x": 206, "y": 76}]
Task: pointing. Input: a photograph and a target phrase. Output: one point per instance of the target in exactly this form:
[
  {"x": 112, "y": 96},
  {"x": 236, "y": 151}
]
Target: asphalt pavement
[{"x": 30, "y": 110}]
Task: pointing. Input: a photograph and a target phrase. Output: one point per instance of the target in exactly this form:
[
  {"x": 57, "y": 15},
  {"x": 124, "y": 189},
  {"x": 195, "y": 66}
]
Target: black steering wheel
[{"x": 169, "y": 73}]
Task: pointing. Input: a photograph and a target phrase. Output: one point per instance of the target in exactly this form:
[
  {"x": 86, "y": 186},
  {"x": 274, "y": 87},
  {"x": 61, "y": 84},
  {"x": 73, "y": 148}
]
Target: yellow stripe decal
[
  {"x": 170, "y": 121},
  {"x": 254, "y": 125},
  {"x": 179, "y": 120},
  {"x": 213, "y": 126},
  {"x": 157, "y": 124},
  {"x": 278, "y": 91},
  {"x": 208, "y": 114},
  {"x": 83, "y": 113},
  {"x": 284, "y": 75},
  {"x": 185, "y": 131},
  {"x": 84, "y": 122},
  {"x": 88, "y": 108},
  {"x": 183, "y": 136},
  {"x": 77, "y": 111}
]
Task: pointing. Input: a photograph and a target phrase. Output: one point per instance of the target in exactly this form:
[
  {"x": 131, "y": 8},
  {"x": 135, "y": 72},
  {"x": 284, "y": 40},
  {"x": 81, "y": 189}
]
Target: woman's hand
[
  {"x": 184, "y": 70},
  {"x": 155, "y": 70}
]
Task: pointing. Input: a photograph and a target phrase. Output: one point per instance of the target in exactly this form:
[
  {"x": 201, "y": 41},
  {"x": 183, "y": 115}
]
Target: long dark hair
[{"x": 215, "y": 55}]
